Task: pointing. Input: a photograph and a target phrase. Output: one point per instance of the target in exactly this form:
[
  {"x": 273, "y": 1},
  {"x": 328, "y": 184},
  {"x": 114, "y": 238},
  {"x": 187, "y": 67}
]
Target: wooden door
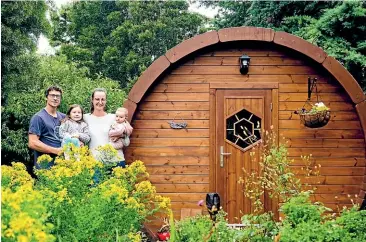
[{"x": 241, "y": 117}]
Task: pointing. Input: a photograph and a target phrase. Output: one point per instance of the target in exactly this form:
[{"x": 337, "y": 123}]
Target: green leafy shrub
[
  {"x": 202, "y": 228},
  {"x": 222, "y": 232},
  {"x": 299, "y": 209},
  {"x": 304, "y": 222},
  {"x": 353, "y": 222},
  {"x": 260, "y": 227},
  {"x": 194, "y": 229},
  {"x": 313, "y": 231}
]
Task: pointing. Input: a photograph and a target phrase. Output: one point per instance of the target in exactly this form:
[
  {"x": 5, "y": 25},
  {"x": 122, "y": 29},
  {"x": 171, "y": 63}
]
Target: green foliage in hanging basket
[{"x": 317, "y": 117}]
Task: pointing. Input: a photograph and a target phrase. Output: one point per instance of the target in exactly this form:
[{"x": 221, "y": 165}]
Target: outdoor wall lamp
[{"x": 244, "y": 64}]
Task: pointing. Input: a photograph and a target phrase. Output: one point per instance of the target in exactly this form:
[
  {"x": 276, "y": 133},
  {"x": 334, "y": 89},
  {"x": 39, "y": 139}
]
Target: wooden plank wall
[{"x": 178, "y": 160}]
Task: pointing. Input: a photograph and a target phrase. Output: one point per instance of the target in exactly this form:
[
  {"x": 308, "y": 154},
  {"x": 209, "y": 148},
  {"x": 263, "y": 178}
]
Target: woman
[{"x": 99, "y": 120}]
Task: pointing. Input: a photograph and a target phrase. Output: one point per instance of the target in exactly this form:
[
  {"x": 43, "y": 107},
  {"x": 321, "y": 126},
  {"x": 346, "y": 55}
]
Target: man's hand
[
  {"x": 57, "y": 151},
  {"x": 35, "y": 144}
]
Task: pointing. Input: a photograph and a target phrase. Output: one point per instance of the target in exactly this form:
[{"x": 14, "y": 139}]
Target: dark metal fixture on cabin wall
[
  {"x": 311, "y": 85},
  {"x": 178, "y": 125},
  {"x": 244, "y": 61}
]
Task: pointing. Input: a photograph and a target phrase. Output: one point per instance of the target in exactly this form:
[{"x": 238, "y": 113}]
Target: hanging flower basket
[
  {"x": 319, "y": 114},
  {"x": 317, "y": 117}
]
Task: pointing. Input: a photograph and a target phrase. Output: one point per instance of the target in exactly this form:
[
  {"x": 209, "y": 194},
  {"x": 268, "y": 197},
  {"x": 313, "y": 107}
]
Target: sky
[
  {"x": 194, "y": 8},
  {"x": 43, "y": 46}
]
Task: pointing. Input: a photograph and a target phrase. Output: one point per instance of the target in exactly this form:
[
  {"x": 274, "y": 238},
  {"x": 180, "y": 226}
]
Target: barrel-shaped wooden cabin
[{"x": 199, "y": 82}]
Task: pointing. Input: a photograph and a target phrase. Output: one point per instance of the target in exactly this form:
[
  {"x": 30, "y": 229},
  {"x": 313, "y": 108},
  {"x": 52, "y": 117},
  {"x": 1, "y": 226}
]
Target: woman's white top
[{"x": 98, "y": 129}]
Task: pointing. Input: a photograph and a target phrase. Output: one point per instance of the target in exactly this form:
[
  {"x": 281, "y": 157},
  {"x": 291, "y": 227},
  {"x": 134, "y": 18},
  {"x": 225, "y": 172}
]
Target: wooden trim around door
[
  {"x": 244, "y": 85},
  {"x": 212, "y": 135},
  {"x": 274, "y": 112}
]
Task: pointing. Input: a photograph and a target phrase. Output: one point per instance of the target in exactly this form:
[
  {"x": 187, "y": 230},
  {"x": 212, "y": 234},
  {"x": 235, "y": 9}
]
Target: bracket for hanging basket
[{"x": 313, "y": 118}]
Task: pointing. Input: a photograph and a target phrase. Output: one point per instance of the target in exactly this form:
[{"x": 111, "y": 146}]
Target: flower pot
[
  {"x": 315, "y": 120},
  {"x": 163, "y": 235}
]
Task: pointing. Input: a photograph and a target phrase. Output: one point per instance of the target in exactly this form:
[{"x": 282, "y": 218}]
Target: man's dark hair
[{"x": 53, "y": 88}]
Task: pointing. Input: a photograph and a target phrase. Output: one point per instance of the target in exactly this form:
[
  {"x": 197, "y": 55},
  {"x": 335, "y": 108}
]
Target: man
[{"x": 44, "y": 125}]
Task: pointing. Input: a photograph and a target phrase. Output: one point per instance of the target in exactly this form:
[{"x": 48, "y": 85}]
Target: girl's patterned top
[{"x": 71, "y": 127}]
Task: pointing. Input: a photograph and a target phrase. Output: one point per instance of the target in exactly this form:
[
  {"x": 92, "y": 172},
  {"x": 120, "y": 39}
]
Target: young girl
[
  {"x": 119, "y": 133},
  {"x": 73, "y": 129}
]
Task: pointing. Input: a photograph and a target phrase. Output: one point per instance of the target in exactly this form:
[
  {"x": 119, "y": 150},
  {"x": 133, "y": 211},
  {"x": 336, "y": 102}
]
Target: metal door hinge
[{"x": 271, "y": 106}]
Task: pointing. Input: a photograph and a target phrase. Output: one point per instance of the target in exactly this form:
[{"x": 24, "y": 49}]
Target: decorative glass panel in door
[{"x": 243, "y": 129}]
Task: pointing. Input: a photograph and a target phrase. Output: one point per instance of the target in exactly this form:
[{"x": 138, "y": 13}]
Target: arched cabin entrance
[{"x": 199, "y": 81}]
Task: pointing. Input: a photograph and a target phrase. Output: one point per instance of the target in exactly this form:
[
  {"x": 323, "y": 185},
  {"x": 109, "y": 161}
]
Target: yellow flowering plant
[
  {"x": 107, "y": 154},
  {"x": 14, "y": 176},
  {"x": 44, "y": 161},
  {"x": 76, "y": 206},
  {"x": 24, "y": 215}
]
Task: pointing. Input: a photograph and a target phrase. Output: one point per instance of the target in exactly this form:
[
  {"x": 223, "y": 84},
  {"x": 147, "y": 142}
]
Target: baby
[
  {"x": 73, "y": 129},
  {"x": 119, "y": 133}
]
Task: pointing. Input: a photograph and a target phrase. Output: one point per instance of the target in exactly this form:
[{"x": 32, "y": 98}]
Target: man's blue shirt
[{"x": 46, "y": 127}]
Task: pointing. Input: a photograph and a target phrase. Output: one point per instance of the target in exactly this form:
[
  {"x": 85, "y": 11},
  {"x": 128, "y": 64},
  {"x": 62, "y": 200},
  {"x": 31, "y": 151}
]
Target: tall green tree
[
  {"x": 120, "y": 39},
  {"x": 335, "y": 26},
  {"x": 340, "y": 31},
  {"x": 268, "y": 14},
  {"x": 22, "y": 23}
]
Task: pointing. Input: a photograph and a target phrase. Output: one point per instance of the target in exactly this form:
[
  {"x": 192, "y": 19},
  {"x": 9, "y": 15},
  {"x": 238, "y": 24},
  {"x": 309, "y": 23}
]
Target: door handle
[{"x": 222, "y": 156}]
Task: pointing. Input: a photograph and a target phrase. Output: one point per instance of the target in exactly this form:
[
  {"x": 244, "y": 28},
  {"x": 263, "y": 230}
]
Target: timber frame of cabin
[{"x": 198, "y": 81}]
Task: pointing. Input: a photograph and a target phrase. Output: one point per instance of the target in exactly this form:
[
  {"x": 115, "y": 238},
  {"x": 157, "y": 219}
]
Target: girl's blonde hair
[{"x": 69, "y": 111}]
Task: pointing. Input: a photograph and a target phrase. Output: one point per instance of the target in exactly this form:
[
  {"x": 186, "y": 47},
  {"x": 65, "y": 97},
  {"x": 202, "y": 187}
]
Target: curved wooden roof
[
  {"x": 159, "y": 66},
  {"x": 251, "y": 34},
  {"x": 198, "y": 42}
]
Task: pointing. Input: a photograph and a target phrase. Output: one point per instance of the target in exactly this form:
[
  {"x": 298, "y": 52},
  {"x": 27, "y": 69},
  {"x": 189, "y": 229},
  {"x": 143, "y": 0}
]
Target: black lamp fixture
[{"x": 244, "y": 64}]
